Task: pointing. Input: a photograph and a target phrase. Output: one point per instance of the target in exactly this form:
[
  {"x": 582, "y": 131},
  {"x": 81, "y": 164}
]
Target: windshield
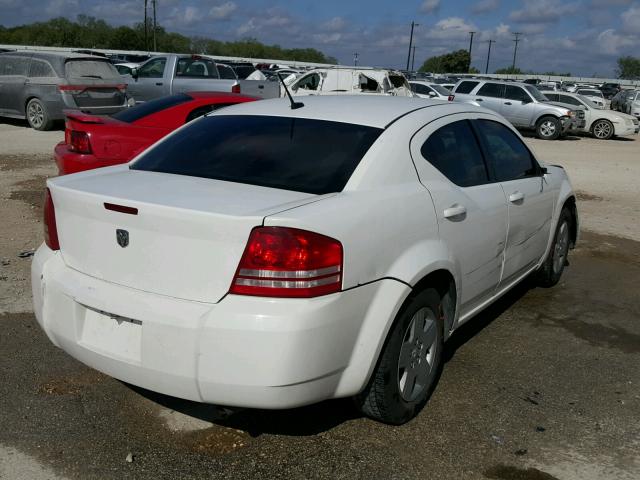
[
  {"x": 85, "y": 68},
  {"x": 303, "y": 155},
  {"x": 440, "y": 89},
  {"x": 588, "y": 102},
  {"x": 535, "y": 93}
]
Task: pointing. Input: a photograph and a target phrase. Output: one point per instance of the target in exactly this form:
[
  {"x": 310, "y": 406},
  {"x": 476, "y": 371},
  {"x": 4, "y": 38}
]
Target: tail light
[
  {"x": 287, "y": 262},
  {"x": 50, "y": 229},
  {"x": 78, "y": 89},
  {"x": 451, "y": 97},
  {"x": 77, "y": 141},
  {"x": 235, "y": 89}
]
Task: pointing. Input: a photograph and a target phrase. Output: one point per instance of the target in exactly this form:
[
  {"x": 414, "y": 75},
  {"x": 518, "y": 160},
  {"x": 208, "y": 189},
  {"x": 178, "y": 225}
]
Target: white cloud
[
  {"x": 485, "y": 6},
  {"x": 335, "y": 24},
  {"x": 222, "y": 11},
  {"x": 610, "y": 42},
  {"x": 430, "y": 6},
  {"x": 543, "y": 11},
  {"x": 631, "y": 19}
]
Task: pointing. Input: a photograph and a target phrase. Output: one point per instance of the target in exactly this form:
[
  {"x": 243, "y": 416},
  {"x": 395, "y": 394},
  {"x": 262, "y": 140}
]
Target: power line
[
  {"x": 515, "y": 48},
  {"x": 486, "y": 70}
]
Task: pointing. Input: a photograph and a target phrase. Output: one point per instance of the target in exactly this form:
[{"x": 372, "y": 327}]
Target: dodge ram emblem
[{"x": 122, "y": 236}]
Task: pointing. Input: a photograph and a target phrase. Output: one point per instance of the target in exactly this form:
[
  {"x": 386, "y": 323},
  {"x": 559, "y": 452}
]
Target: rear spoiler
[{"x": 80, "y": 117}]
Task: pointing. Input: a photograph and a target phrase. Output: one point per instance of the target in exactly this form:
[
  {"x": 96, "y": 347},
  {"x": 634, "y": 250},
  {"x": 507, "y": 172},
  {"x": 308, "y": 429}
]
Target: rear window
[
  {"x": 82, "y": 68},
  {"x": 130, "y": 115},
  {"x": 466, "y": 87},
  {"x": 304, "y": 155}
]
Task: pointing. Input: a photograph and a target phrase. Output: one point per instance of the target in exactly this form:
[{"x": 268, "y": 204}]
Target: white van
[{"x": 350, "y": 81}]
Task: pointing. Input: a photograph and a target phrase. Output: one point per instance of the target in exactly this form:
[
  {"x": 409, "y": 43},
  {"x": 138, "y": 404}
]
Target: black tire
[
  {"x": 551, "y": 270},
  {"x": 548, "y": 128},
  {"x": 384, "y": 399},
  {"x": 602, "y": 129},
  {"x": 37, "y": 115}
]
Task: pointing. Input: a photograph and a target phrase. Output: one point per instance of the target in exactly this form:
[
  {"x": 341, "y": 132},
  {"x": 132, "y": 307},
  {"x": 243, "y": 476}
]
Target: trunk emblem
[{"x": 122, "y": 237}]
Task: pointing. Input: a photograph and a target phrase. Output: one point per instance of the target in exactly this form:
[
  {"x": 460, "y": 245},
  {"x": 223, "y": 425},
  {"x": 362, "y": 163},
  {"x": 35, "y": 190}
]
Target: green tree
[
  {"x": 628, "y": 68},
  {"x": 509, "y": 71},
  {"x": 454, "y": 62}
]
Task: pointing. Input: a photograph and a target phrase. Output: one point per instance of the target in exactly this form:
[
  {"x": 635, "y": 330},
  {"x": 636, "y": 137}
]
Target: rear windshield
[
  {"x": 82, "y": 68},
  {"x": 466, "y": 87},
  {"x": 130, "y": 115},
  {"x": 303, "y": 155},
  {"x": 440, "y": 89}
]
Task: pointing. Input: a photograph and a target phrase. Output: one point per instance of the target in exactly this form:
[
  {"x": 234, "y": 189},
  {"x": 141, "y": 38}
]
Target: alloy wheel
[
  {"x": 561, "y": 248},
  {"x": 35, "y": 114}
]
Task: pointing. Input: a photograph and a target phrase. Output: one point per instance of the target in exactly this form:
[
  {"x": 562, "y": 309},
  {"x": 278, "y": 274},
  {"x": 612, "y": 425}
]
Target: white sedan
[
  {"x": 270, "y": 257},
  {"x": 602, "y": 124},
  {"x": 429, "y": 90}
]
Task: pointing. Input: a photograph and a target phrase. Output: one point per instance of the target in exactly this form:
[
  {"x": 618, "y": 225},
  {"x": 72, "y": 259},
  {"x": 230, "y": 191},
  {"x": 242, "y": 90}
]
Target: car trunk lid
[
  {"x": 168, "y": 234},
  {"x": 93, "y": 83}
]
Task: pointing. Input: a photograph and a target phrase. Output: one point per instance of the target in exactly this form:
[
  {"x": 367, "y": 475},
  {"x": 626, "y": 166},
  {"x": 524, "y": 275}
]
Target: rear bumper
[
  {"x": 72, "y": 162},
  {"x": 242, "y": 351}
]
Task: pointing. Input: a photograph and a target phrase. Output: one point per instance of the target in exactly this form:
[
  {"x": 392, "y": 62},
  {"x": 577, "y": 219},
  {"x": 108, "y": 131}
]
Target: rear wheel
[
  {"x": 548, "y": 128},
  {"x": 37, "y": 115},
  {"x": 551, "y": 270},
  {"x": 410, "y": 363},
  {"x": 602, "y": 129}
]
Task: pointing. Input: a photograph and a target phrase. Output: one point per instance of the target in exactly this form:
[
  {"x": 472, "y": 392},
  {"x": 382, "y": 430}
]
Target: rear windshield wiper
[{"x": 91, "y": 76}]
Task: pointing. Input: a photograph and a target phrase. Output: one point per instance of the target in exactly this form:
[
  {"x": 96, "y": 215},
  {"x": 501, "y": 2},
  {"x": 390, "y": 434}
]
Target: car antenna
[{"x": 294, "y": 105}]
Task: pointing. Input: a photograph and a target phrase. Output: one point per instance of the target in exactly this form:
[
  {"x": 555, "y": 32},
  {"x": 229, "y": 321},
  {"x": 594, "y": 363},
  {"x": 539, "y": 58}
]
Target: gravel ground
[{"x": 542, "y": 386}]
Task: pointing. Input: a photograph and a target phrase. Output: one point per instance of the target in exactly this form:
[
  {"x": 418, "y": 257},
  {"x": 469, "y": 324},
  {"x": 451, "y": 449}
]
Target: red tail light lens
[
  {"x": 235, "y": 89},
  {"x": 287, "y": 262},
  {"x": 50, "y": 229},
  {"x": 451, "y": 97},
  {"x": 78, "y": 141}
]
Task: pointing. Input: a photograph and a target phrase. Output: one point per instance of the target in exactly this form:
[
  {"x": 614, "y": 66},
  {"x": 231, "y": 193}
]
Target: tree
[
  {"x": 628, "y": 68},
  {"x": 509, "y": 71},
  {"x": 454, "y": 62},
  {"x": 473, "y": 70}
]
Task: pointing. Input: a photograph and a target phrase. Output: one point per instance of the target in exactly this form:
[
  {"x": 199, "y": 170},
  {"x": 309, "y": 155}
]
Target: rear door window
[
  {"x": 40, "y": 68},
  {"x": 491, "y": 90},
  {"x": 454, "y": 151},
  {"x": 466, "y": 86},
  {"x": 11, "y": 65},
  {"x": 508, "y": 157},
  {"x": 304, "y": 155}
]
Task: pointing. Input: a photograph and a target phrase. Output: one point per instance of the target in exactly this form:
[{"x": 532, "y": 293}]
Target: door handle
[
  {"x": 159, "y": 84},
  {"x": 454, "y": 210},
  {"x": 478, "y": 99},
  {"x": 260, "y": 87},
  {"x": 516, "y": 197},
  {"x": 507, "y": 103}
]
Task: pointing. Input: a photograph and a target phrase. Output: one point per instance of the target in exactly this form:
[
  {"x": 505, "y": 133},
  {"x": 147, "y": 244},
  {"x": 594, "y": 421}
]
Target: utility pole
[
  {"x": 413, "y": 59},
  {"x": 471, "y": 34},
  {"x": 486, "y": 70},
  {"x": 146, "y": 27},
  {"x": 155, "y": 45},
  {"x": 515, "y": 48},
  {"x": 413, "y": 24},
  {"x": 355, "y": 59}
]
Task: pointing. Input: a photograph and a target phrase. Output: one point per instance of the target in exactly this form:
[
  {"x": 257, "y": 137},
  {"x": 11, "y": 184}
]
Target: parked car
[
  {"x": 602, "y": 124},
  {"x": 520, "y": 103},
  {"x": 350, "y": 81},
  {"x": 94, "y": 142},
  {"x": 592, "y": 94},
  {"x": 632, "y": 104},
  {"x": 241, "y": 244},
  {"x": 610, "y": 89},
  {"x": 37, "y": 86},
  {"x": 619, "y": 99},
  {"x": 429, "y": 90},
  {"x": 169, "y": 74}
]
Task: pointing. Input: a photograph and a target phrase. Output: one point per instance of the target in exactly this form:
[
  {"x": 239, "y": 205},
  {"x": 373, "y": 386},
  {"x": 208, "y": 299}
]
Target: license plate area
[{"x": 112, "y": 335}]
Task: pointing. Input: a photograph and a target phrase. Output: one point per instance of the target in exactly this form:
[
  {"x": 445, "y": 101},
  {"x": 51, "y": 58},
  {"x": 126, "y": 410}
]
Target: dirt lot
[{"x": 542, "y": 386}]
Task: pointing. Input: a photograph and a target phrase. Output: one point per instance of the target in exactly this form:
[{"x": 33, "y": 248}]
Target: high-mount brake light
[
  {"x": 288, "y": 262},
  {"x": 50, "y": 228}
]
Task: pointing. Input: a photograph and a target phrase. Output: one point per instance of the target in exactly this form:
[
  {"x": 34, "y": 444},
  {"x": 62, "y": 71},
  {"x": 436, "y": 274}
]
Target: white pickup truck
[{"x": 168, "y": 74}]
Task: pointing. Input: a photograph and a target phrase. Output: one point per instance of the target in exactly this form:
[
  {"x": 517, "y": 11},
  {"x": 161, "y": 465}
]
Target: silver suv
[{"x": 521, "y": 104}]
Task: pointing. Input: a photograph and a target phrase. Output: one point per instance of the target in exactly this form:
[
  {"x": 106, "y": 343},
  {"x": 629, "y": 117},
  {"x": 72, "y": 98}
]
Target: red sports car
[{"x": 92, "y": 141}]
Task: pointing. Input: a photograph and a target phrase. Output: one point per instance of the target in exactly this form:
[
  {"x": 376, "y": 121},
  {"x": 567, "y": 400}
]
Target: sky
[{"x": 584, "y": 37}]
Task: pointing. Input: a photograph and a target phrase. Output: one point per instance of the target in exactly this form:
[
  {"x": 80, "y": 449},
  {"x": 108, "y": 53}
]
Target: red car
[{"x": 93, "y": 141}]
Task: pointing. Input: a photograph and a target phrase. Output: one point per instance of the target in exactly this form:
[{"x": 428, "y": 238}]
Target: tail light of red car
[
  {"x": 288, "y": 262},
  {"x": 451, "y": 97},
  {"x": 50, "y": 228},
  {"x": 77, "y": 141},
  {"x": 235, "y": 89}
]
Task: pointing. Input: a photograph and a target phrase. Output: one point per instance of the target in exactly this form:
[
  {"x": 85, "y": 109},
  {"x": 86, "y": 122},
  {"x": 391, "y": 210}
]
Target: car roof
[
  {"x": 377, "y": 111},
  {"x": 55, "y": 55}
]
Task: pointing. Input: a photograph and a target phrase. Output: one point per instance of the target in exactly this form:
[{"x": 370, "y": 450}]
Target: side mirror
[
  {"x": 134, "y": 73},
  {"x": 433, "y": 94},
  {"x": 543, "y": 171}
]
